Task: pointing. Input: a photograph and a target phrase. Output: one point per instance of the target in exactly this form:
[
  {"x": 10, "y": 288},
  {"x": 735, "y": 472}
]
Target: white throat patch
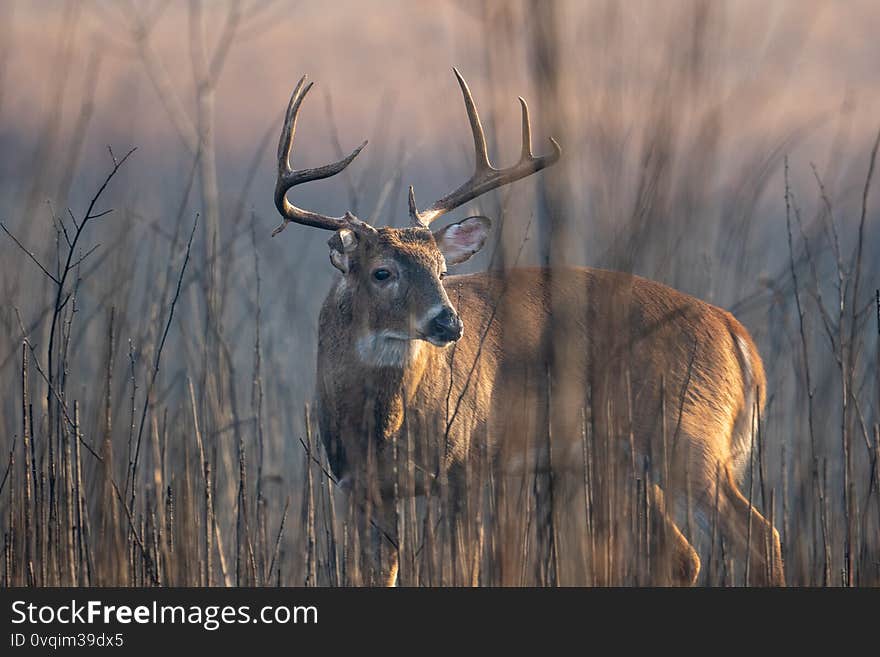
[{"x": 386, "y": 349}]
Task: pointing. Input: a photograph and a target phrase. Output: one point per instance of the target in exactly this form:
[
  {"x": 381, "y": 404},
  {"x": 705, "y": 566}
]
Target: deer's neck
[
  {"x": 383, "y": 350},
  {"x": 379, "y": 394},
  {"x": 397, "y": 367}
]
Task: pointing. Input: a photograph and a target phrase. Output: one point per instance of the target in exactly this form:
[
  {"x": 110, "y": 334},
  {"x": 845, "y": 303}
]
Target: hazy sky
[{"x": 774, "y": 67}]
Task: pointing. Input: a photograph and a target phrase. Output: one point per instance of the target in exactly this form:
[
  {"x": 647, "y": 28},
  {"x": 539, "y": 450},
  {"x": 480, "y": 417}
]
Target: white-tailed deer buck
[{"x": 475, "y": 364}]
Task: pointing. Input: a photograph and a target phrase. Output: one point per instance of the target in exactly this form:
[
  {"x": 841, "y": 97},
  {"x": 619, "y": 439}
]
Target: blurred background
[{"x": 722, "y": 148}]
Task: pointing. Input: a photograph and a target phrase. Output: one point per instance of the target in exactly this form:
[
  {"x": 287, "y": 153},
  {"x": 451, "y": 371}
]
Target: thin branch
[
  {"x": 30, "y": 254},
  {"x": 52, "y": 389},
  {"x": 67, "y": 266},
  {"x": 800, "y": 311},
  {"x": 144, "y": 554},
  {"x": 278, "y": 540},
  {"x": 159, "y": 355},
  {"x": 9, "y": 464},
  {"x": 87, "y": 254},
  {"x": 100, "y": 214},
  {"x": 64, "y": 227},
  {"x": 865, "y": 191}
]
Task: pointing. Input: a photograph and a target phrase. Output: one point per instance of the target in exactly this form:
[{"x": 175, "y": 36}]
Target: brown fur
[{"x": 607, "y": 328}]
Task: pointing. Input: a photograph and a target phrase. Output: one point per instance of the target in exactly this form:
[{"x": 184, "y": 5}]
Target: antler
[
  {"x": 288, "y": 177},
  {"x": 485, "y": 177}
]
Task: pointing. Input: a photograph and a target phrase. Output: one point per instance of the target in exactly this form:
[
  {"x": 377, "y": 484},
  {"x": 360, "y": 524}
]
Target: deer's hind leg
[
  {"x": 683, "y": 563},
  {"x": 750, "y": 532},
  {"x": 750, "y": 535}
]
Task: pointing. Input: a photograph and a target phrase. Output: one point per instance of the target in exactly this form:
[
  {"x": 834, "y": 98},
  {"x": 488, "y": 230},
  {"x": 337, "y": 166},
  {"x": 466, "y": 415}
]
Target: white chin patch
[
  {"x": 440, "y": 343},
  {"x": 386, "y": 349}
]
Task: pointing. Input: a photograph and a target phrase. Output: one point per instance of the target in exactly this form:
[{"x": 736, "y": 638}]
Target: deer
[{"x": 402, "y": 344}]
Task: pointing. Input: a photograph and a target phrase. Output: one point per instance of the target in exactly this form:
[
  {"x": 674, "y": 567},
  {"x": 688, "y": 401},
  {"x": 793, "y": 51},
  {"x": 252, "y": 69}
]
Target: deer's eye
[
  {"x": 382, "y": 274},
  {"x": 442, "y": 275}
]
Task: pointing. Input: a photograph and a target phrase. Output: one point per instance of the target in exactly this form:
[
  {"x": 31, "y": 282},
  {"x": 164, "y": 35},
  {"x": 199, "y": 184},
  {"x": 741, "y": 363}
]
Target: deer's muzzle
[{"x": 445, "y": 327}]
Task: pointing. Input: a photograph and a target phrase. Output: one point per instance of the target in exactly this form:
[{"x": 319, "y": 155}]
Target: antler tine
[
  {"x": 414, "y": 214},
  {"x": 288, "y": 177},
  {"x": 526, "y": 131},
  {"x": 485, "y": 176},
  {"x": 481, "y": 153},
  {"x": 285, "y": 143}
]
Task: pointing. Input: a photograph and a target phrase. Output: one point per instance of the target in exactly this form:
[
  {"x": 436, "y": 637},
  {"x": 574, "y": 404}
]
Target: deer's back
[{"x": 600, "y": 342}]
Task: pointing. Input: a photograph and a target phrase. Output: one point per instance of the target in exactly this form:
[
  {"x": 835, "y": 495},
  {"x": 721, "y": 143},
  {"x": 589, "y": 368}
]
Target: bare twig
[
  {"x": 30, "y": 254},
  {"x": 159, "y": 355}
]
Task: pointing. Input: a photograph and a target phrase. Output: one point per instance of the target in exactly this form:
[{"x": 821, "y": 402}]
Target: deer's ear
[
  {"x": 458, "y": 242},
  {"x": 341, "y": 245}
]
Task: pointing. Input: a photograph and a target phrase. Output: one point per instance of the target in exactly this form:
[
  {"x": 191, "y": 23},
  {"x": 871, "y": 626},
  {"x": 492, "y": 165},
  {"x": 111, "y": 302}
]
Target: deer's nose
[{"x": 446, "y": 326}]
